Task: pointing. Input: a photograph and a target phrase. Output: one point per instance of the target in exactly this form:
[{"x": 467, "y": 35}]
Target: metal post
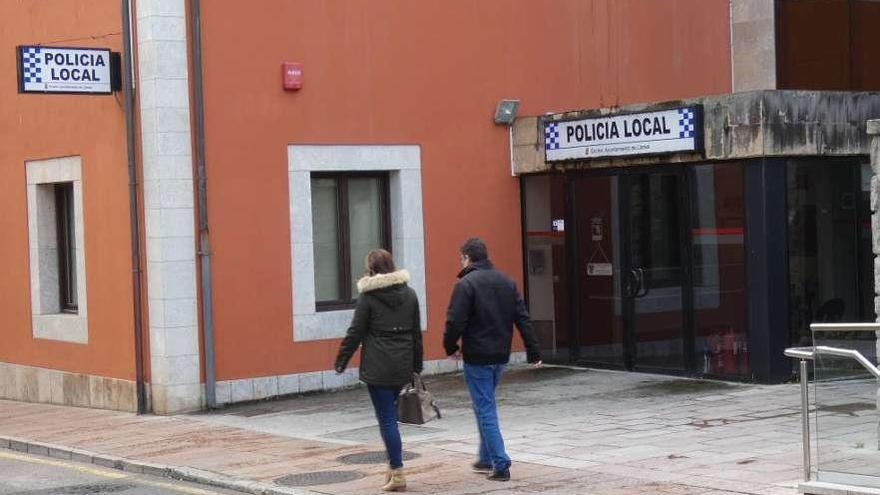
[
  {"x": 805, "y": 417},
  {"x": 202, "y": 194},
  {"x": 133, "y": 208}
]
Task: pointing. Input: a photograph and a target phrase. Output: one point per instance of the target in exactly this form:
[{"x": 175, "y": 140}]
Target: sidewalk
[{"x": 568, "y": 431}]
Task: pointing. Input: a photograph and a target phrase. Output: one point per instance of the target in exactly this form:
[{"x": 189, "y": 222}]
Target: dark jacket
[
  {"x": 482, "y": 311},
  {"x": 387, "y": 324}
]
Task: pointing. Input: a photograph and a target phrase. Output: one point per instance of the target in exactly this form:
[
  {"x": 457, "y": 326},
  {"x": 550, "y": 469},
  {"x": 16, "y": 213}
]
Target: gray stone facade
[
  {"x": 873, "y": 133},
  {"x": 169, "y": 206},
  {"x": 34, "y": 384},
  {"x": 752, "y": 45}
]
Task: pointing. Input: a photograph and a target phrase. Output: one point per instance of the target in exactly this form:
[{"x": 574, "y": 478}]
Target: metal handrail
[
  {"x": 845, "y": 327},
  {"x": 850, "y": 353},
  {"x": 800, "y": 353},
  {"x": 805, "y": 354}
]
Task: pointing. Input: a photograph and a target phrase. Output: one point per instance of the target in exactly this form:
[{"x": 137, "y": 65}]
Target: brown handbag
[{"x": 415, "y": 405}]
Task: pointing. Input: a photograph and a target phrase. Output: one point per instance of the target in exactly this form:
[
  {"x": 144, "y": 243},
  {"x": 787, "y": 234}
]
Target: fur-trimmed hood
[
  {"x": 382, "y": 280},
  {"x": 389, "y": 288}
]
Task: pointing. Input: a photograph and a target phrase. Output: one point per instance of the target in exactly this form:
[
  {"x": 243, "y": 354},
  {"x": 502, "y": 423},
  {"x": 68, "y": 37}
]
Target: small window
[
  {"x": 349, "y": 218},
  {"x": 66, "y": 236},
  {"x": 57, "y": 258}
]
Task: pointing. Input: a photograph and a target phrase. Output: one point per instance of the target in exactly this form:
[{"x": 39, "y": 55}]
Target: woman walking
[{"x": 387, "y": 325}]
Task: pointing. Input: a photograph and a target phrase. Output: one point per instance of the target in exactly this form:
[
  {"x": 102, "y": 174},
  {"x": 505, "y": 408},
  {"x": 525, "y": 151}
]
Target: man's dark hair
[{"x": 475, "y": 249}]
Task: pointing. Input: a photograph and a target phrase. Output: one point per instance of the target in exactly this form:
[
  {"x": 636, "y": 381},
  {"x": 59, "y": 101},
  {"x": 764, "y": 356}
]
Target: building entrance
[
  {"x": 650, "y": 267},
  {"x": 629, "y": 231}
]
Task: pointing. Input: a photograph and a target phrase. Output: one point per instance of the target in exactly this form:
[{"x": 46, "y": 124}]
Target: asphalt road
[{"x": 34, "y": 475}]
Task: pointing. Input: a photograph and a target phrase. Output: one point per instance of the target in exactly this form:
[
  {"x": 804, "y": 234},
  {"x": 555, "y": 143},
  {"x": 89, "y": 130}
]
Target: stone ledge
[
  {"x": 32, "y": 384},
  {"x": 253, "y": 389}
]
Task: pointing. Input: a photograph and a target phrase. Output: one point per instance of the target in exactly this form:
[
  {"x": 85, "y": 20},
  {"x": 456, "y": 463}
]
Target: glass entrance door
[
  {"x": 652, "y": 206},
  {"x": 600, "y": 337},
  {"x": 630, "y": 253}
]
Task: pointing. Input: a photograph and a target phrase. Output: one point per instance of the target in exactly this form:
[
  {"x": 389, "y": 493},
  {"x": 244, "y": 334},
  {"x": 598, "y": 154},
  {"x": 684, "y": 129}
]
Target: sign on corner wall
[
  {"x": 50, "y": 69},
  {"x": 645, "y": 133}
]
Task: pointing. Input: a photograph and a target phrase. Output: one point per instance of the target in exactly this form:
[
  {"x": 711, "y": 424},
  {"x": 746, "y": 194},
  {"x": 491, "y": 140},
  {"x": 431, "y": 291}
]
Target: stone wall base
[
  {"x": 247, "y": 389},
  {"x": 32, "y": 384},
  {"x": 176, "y": 399}
]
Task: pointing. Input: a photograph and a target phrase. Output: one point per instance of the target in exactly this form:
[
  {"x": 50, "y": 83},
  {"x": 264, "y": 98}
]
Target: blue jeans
[
  {"x": 385, "y": 403},
  {"x": 482, "y": 380}
]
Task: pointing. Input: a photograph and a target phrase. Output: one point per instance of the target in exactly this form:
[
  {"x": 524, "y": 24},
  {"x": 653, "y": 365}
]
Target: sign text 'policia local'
[
  {"x": 43, "y": 69},
  {"x": 620, "y": 135}
]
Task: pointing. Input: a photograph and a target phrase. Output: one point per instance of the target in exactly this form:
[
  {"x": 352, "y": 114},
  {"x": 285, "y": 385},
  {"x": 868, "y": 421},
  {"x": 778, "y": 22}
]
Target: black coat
[
  {"x": 387, "y": 326},
  {"x": 485, "y": 305}
]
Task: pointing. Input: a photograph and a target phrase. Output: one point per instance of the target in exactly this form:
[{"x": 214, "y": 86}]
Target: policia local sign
[
  {"x": 49, "y": 69},
  {"x": 646, "y": 133}
]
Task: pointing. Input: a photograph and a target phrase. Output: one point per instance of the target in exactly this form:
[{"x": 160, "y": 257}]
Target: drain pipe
[
  {"x": 128, "y": 97},
  {"x": 204, "y": 245}
]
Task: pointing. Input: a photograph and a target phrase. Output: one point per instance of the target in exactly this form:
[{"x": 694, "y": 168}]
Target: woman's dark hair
[
  {"x": 475, "y": 249},
  {"x": 379, "y": 261}
]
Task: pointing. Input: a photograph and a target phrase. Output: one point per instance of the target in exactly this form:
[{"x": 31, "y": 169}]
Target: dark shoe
[
  {"x": 481, "y": 467},
  {"x": 500, "y": 475}
]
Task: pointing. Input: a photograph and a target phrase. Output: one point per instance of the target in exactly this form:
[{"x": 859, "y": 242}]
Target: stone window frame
[
  {"x": 403, "y": 165},
  {"x": 46, "y": 323}
]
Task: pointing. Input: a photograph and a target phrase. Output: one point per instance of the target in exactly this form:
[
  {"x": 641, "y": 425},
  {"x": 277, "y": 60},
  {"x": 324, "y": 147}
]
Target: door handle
[
  {"x": 643, "y": 287},
  {"x": 631, "y": 284}
]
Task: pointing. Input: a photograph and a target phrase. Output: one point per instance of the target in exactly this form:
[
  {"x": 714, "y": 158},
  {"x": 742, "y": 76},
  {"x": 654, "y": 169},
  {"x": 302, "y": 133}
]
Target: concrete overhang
[{"x": 735, "y": 126}]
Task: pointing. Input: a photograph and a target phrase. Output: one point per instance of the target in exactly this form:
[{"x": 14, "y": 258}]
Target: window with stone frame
[
  {"x": 350, "y": 217},
  {"x": 57, "y": 249}
]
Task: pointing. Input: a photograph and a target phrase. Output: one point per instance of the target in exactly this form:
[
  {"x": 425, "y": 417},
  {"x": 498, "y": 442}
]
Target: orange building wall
[
  {"x": 47, "y": 126},
  {"x": 426, "y": 73}
]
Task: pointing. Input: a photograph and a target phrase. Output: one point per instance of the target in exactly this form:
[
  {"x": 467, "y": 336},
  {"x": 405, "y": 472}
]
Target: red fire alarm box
[{"x": 292, "y": 76}]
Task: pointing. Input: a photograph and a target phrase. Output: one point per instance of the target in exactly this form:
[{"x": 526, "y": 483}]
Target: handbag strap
[{"x": 417, "y": 382}]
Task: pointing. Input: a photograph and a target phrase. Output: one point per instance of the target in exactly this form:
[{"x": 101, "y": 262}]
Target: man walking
[{"x": 485, "y": 305}]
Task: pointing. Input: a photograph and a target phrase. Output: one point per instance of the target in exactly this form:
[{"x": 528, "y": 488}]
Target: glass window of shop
[
  {"x": 829, "y": 244},
  {"x": 545, "y": 262},
  {"x": 719, "y": 271}
]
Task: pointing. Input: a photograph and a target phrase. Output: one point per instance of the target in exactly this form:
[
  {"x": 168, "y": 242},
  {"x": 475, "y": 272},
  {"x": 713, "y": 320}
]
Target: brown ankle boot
[{"x": 396, "y": 482}]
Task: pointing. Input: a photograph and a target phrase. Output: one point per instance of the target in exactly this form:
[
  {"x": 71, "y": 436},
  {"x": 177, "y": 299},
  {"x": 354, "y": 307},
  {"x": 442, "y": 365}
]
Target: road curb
[{"x": 188, "y": 474}]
